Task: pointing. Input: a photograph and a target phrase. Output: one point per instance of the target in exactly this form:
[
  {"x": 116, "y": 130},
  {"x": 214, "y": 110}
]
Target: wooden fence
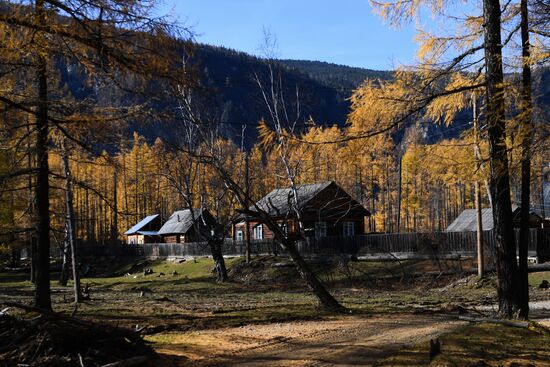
[
  {"x": 370, "y": 245},
  {"x": 422, "y": 244}
]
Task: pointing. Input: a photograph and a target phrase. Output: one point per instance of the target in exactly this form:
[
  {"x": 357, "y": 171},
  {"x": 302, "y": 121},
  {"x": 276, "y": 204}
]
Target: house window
[
  {"x": 320, "y": 229},
  {"x": 349, "y": 229},
  {"x": 240, "y": 235},
  {"x": 284, "y": 228},
  {"x": 259, "y": 232}
]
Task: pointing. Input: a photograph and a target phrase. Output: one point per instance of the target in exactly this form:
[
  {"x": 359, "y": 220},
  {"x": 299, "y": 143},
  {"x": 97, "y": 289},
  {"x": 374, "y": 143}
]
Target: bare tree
[
  {"x": 284, "y": 118},
  {"x": 204, "y": 124},
  {"x": 197, "y": 127}
]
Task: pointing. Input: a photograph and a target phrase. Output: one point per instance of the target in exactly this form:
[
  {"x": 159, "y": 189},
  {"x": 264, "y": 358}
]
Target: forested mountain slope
[
  {"x": 340, "y": 77},
  {"x": 228, "y": 75}
]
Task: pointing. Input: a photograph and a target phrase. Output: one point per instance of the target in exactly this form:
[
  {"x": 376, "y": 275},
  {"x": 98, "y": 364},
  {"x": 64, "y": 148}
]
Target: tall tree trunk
[
  {"x": 219, "y": 261},
  {"x": 477, "y": 190},
  {"x": 541, "y": 193},
  {"x": 69, "y": 224},
  {"x": 114, "y": 225},
  {"x": 246, "y": 221},
  {"x": 399, "y": 190},
  {"x": 500, "y": 177},
  {"x": 326, "y": 300},
  {"x": 64, "y": 274},
  {"x": 32, "y": 210},
  {"x": 42, "y": 297},
  {"x": 125, "y": 187},
  {"x": 15, "y": 250},
  {"x": 527, "y": 131},
  {"x": 372, "y": 222}
]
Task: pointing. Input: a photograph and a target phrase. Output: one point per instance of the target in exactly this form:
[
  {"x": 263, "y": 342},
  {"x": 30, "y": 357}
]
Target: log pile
[{"x": 51, "y": 339}]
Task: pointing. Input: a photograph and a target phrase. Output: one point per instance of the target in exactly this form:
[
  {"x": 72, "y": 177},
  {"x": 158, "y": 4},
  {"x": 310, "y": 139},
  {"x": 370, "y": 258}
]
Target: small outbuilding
[
  {"x": 467, "y": 220},
  {"x": 146, "y": 231},
  {"x": 186, "y": 226}
]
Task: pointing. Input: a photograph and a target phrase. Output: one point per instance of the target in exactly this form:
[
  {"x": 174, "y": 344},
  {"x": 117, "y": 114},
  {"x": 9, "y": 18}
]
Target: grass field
[{"x": 180, "y": 305}]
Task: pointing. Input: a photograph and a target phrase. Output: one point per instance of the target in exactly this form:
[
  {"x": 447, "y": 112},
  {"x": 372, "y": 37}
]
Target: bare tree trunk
[
  {"x": 114, "y": 226},
  {"x": 15, "y": 251},
  {"x": 372, "y": 222},
  {"x": 64, "y": 275},
  {"x": 217, "y": 255},
  {"x": 477, "y": 191},
  {"x": 326, "y": 300},
  {"x": 541, "y": 193},
  {"x": 247, "y": 222},
  {"x": 500, "y": 178},
  {"x": 42, "y": 297},
  {"x": 125, "y": 186},
  {"x": 32, "y": 210},
  {"x": 399, "y": 191},
  {"x": 479, "y": 235},
  {"x": 527, "y": 131},
  {"x": 69, "y": 223}
]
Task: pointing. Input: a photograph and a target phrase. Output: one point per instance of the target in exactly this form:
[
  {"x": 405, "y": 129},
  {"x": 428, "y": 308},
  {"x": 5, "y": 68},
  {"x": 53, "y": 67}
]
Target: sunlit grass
[{"x": 493, "y": 344}]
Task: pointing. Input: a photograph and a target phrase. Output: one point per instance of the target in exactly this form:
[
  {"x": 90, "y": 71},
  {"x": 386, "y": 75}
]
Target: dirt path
[{"x": 342, "y": 341}]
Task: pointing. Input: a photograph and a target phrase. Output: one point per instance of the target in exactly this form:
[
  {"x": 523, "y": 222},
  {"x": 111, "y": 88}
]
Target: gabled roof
[
  {"x": 279, "y": 201},
  {"x": 145, "y": 221},
  {"x": 180, "y": 221},
  {"x": 467, "y": 221}
]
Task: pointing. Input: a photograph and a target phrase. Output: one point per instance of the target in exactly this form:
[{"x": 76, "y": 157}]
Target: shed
[
  {"x": 145, "y": 231},
  {"x": 182, "y": 226},
  {"x": 467, "y": 220}
]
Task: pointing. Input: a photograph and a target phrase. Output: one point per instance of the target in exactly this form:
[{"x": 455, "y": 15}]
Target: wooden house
[
  {"x": 182, "y": 226},
  {"x": 325, "y": 209},
  {"x": 146, "y": 231}
]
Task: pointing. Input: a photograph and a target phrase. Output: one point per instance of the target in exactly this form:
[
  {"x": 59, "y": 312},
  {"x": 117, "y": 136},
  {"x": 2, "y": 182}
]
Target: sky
[{"x": 339, "y": 31}]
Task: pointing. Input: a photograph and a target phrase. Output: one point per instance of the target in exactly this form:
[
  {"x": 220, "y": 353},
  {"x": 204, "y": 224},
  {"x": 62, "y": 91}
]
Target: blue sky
[{"x": 339, "y": 31}]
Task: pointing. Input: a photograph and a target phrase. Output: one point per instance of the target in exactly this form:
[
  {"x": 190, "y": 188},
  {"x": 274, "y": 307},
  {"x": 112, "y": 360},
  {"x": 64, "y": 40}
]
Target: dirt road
[{"x": 342, "y": 341}]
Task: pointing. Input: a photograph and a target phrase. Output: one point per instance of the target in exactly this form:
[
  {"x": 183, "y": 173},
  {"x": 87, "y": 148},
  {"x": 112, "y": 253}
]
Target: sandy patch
[{"x": 343, "y": 341}]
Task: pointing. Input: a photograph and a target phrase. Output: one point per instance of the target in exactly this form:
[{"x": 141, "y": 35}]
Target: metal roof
[
  {"x": 141, "y": 224},
  {"x": 180, "y": 222},
  {"x": 467, "y": 221},
  {"x": 148, "y": 233}
]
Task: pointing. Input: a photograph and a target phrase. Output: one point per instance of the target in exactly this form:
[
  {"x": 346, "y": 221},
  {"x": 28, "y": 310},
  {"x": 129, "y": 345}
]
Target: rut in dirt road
[{"x": 340, "y": 341}]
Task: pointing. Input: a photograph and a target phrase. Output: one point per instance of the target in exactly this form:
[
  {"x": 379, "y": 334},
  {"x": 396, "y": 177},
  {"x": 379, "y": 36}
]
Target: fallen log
[
  {"x": 130, "y": 362},
  {"x": 520, "y": 324}
]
